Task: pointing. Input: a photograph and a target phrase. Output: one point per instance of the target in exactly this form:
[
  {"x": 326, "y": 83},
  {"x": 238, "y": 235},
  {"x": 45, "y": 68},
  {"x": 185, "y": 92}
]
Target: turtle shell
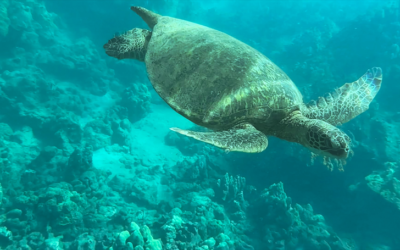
[{"x": 215, "y": 80}]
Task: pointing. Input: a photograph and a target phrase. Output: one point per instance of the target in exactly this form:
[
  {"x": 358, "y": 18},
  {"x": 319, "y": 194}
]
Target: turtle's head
[
  {"x": 129, "y": 45},
  {"x": 325, "y": 139}
]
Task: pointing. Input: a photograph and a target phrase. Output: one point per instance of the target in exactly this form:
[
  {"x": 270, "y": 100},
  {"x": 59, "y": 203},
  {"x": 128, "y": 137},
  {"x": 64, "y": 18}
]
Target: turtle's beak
[
  {"x": 341, "y": 152},
  {"x": 340, "y": 144}
]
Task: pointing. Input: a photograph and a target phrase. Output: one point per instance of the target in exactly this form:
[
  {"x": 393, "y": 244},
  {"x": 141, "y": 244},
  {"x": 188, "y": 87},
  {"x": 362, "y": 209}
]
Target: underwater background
[{"x": 87, "y": 160}]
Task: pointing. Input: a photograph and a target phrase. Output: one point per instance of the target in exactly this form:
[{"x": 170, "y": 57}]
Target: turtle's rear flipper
[
  {"x": 348, "y": 101},
  {"x": 242, "y": 138},
  {"x": 132, "y": 44},
  {"x": 148, "y": 16}
]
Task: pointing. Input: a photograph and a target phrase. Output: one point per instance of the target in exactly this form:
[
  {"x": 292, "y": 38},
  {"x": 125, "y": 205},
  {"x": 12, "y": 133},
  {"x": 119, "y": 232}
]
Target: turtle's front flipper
[
  {"x": 132, "y": 44},
  {"x": 348, "y": 101},
  {"x": 241, "y": 138}
]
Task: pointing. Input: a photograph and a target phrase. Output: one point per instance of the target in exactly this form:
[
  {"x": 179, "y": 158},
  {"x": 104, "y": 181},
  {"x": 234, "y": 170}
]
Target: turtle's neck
[{"x": 292, "y": 128}]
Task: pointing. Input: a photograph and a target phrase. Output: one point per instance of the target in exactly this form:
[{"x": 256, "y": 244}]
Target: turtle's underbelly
[{"x": 213, "y": 79}]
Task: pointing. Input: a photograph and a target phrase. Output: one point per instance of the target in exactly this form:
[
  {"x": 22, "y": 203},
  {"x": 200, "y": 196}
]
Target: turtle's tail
[
  {"x": 149, "y": 17},
  {"x": 132, "y": 44}
]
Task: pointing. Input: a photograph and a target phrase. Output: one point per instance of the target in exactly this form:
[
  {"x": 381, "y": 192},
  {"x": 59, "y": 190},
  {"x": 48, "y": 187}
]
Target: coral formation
[
  {"x": 85, "y": 161},
  {"x": 386, "y": 183}
]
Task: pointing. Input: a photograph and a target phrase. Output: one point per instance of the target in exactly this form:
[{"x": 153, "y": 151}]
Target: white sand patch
[
  {"x": 146, "y": 142},
  {"x": 148, "y": 136}
]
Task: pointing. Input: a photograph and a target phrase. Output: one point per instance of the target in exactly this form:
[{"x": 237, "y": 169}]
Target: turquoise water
[{"x": 87, "y": 159}]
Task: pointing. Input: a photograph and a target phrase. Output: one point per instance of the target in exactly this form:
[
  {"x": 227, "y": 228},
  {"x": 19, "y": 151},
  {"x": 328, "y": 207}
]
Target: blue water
[{"x": 87, "y": 160}]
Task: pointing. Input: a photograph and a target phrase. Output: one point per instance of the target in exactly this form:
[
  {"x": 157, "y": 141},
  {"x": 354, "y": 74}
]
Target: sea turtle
[{"x": 223, "y": 84}]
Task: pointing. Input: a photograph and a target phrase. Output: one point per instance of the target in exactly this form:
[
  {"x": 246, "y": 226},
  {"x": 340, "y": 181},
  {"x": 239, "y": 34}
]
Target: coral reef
[
  {"x": 287, "y": 225},
  {"x": 87, "y": 160},
  {"x": 386, "y": 183}
]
